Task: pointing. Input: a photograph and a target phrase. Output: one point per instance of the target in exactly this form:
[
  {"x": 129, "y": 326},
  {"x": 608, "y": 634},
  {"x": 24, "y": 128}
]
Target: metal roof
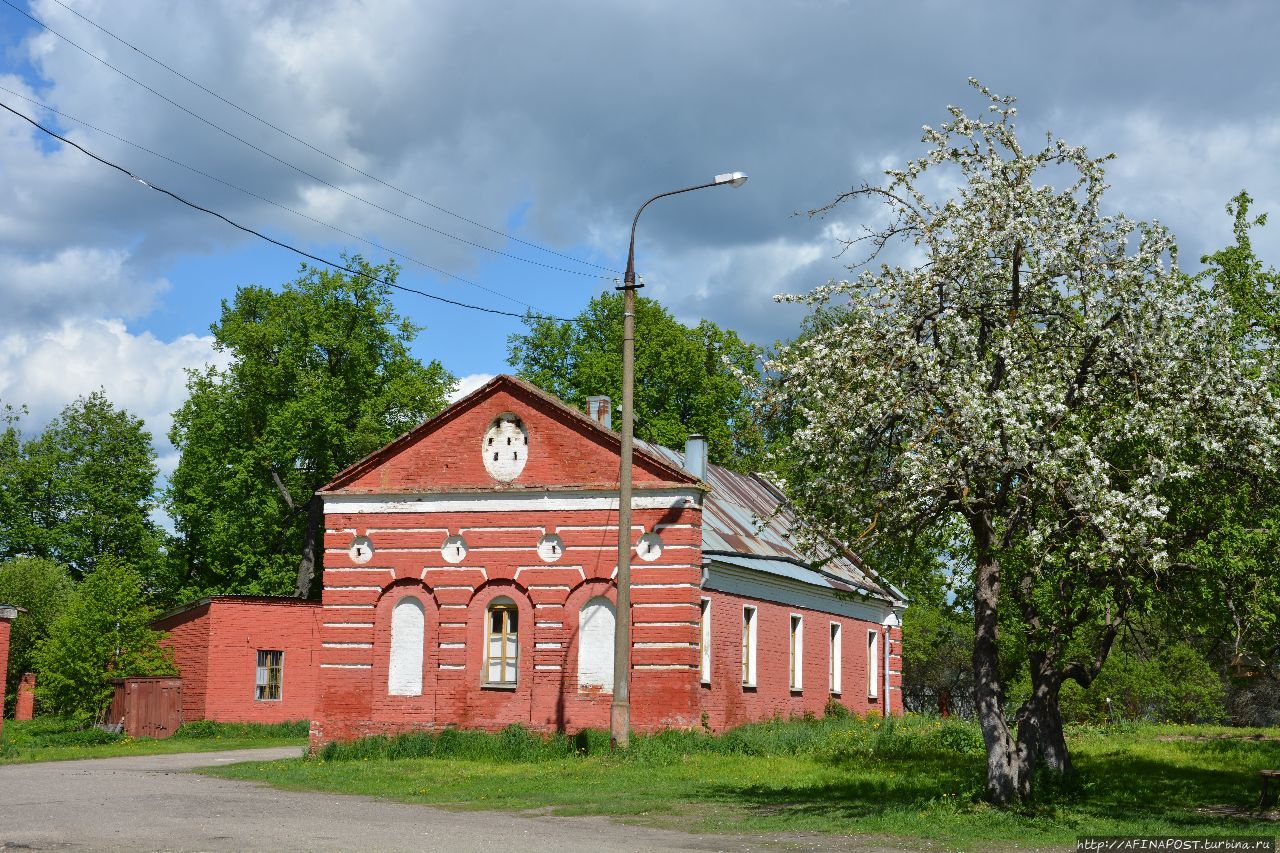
[{"x": 746, "y": 515}]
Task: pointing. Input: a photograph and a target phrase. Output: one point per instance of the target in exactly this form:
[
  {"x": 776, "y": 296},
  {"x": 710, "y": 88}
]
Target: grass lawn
[
  {"x": 919, "y": 780},
  {"x": 55, "y": 739}
]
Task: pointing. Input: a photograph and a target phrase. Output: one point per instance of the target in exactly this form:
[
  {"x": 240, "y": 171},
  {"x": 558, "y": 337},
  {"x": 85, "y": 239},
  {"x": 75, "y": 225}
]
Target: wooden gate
[{"x": 146, "y": 707}]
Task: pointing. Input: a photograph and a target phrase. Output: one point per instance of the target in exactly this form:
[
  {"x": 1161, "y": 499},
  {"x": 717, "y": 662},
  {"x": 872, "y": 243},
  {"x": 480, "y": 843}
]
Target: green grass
[
  {"x": 917, "y": 780},
  {"x": 57, "y": 739}
]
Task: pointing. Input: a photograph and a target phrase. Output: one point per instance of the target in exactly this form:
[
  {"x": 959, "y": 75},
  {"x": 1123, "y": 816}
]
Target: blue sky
[{"x": 552, "y": 122}]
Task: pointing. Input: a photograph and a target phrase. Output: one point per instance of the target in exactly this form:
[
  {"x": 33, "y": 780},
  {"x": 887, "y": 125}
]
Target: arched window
[
  {"x": 404, "y": 672},
  {"x": 595, "y": 644},
  {"x": 502, "y": 642}
]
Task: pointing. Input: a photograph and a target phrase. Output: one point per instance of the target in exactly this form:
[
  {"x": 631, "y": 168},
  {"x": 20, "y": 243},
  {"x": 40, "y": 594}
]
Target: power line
[
  {"x": 262, "y": 236},
  {"x": 299, "y": 169},
  {"x": 263, "y": 198},
  {"x": 321, "y": 151}
]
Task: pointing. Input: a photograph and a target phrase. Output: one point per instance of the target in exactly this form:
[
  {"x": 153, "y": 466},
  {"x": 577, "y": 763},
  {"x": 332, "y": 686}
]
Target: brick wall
[
  {"x": 188, "y": 639},
  {"x": 727, "y": 702},
  {"x": 215, "y": 648},
  {"x": 238, "y": 629},
  {"x": 4, "y": 656}
]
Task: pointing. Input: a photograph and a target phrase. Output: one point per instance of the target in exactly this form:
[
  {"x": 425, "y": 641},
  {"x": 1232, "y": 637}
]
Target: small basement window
[{"x": 270, "y": 675}]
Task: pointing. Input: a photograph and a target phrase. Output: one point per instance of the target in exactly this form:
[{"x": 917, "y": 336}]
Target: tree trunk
[
  {"x": 1002, "y": 758},
  {"x": 1041, "y": 742},
  {"x": 312, "y": 539}
]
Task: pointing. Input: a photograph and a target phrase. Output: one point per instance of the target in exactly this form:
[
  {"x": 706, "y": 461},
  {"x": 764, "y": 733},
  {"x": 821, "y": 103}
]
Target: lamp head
[{"x": 736, "y": 179}]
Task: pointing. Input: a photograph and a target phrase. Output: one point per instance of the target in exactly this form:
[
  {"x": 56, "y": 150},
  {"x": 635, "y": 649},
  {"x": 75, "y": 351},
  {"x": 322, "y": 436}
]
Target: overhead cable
[
  {"x": 261, "y": 236},
  {"x": 266, "y": 200},
  {"x": 299, "y": 169}
]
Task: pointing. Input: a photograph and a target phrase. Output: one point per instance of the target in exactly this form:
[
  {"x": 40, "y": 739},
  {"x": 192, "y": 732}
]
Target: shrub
[
  {"x": 208, "y": 729},
  {"x": 103, "y": 633}
]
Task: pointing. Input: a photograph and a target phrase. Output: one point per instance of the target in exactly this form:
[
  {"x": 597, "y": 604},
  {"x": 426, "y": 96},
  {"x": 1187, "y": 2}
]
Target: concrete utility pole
[{"x": 620, "y": 710}]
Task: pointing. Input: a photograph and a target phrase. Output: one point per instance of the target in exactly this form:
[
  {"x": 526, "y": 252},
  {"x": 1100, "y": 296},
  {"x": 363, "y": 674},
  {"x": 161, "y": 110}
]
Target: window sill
[
  {"x": 835, "y": 694},
  {"x": 797, "y": 691},
  {"x": 491, "y": 686},
  {"x": 873, "y": 698},
  {"x": 750, "y": 687},
  {"x": 706, "y": 682},
  {"x": 256, "y": 699}
]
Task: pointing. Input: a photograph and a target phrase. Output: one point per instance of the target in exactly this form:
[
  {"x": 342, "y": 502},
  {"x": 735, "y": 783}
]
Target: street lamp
[{"x": 620, "y": 710}]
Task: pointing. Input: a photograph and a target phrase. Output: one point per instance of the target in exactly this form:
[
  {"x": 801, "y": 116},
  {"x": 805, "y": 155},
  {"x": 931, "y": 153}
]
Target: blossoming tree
[{"x": 1038, "y": 372}]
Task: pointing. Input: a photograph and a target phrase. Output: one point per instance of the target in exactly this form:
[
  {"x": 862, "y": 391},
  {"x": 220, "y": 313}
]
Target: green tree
[
  {"x": 1038, "y": 373},
  {"x": 82, "y": 489},
  {"x": 104, "y": 632},
  {"x": 320, "y": 375},
  {"x": 42, "y": 588},
  {"x": 688, "y": 379},
  {"x": 1225, "y": 533}
]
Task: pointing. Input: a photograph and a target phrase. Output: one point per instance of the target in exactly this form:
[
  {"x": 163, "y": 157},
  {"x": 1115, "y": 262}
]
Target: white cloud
[
  {"x": 138, "y": 372},
  {"x": 469, "y": 383}
]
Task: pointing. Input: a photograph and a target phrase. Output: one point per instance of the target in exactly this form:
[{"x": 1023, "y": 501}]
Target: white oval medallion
[
  {"x": 649, "y": 548},
  {"x": 454, "y": 549},
  {"x": 550, "y": 548},
  {"x": 361, "y": 550}
]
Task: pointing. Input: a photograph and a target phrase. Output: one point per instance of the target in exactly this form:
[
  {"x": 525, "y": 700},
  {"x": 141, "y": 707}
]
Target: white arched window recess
[
  {"x": 596, "y": 625},
  {"x": 404, "y": 671},
  {"x": 502, "y": 642}
]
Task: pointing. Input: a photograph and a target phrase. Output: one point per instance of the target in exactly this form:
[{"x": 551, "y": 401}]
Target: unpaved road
[{"x": 151, "y": 803}]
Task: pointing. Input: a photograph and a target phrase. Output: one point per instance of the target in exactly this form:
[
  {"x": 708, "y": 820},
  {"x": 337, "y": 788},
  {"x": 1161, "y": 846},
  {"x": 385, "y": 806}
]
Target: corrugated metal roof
[{"x": 745, "y": 515}]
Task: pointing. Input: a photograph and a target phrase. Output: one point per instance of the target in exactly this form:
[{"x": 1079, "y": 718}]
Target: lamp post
[{"x": 620, "y": 710}]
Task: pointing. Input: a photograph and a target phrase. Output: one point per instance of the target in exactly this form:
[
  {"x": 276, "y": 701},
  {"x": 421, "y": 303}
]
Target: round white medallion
[
  {"x": 454, "y": 549},
  {"x": 505, "y": 447},
  {"x": 649, "y": 547},
  {"x": 361, "y": 550},
  {"x": 550, "y": 548}
]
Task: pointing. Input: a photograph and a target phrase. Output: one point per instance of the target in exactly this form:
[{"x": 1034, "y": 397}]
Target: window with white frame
[
  {"x": 704, "y": 641},
  {"x": 404, "y": 666},
  {"x": 835, "y": 661},
  {"x": 873, "y": 663},
  {"x": 270, "y": 675},
  {"x": 797, "y": 652},
  {"x": 502, "y": 644},
  {"x": 748, "y": 646}
]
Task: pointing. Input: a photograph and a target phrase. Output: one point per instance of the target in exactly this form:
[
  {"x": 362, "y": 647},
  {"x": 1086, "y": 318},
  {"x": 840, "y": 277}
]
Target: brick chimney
[{"x": 600, "y": 410}]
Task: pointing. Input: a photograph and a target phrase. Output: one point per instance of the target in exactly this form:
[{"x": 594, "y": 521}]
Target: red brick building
[
  {"x": 245, "y": 658},
  {"x": 469, "y": 580}
]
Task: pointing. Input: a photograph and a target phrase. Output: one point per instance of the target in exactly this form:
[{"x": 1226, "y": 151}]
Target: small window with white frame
[
  {"x": 873, "y": 664},
  {"x": 270, "y": 675},
  {"x": 835, "y": 659},
  {"x": 502, "y": 643},
  {"x": 704, "y": 641},
  {"x": 797, "y": 652},
  {"x": 748, "y": 646}
]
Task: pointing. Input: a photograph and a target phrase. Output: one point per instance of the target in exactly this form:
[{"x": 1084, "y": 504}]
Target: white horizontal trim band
[
  {"x": 347, "y": 645},
  {"x": 341, "y": 587},
  {"x": 507, "y": 501},
  {"x": 546, "y": 645},
  {"x": 348, "y": 624},
  {"x": 452, "y": 666},
  {"x": 664, "y": 645},
  {"x": 346, "y": 666},
  {"x": 550, "y": 624},
  {"x": 547, "y": 666},
  {"x": 666, "y": 666},
  {"x": 453, "y": 645},
  {"x": 348, "y": 607}
]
